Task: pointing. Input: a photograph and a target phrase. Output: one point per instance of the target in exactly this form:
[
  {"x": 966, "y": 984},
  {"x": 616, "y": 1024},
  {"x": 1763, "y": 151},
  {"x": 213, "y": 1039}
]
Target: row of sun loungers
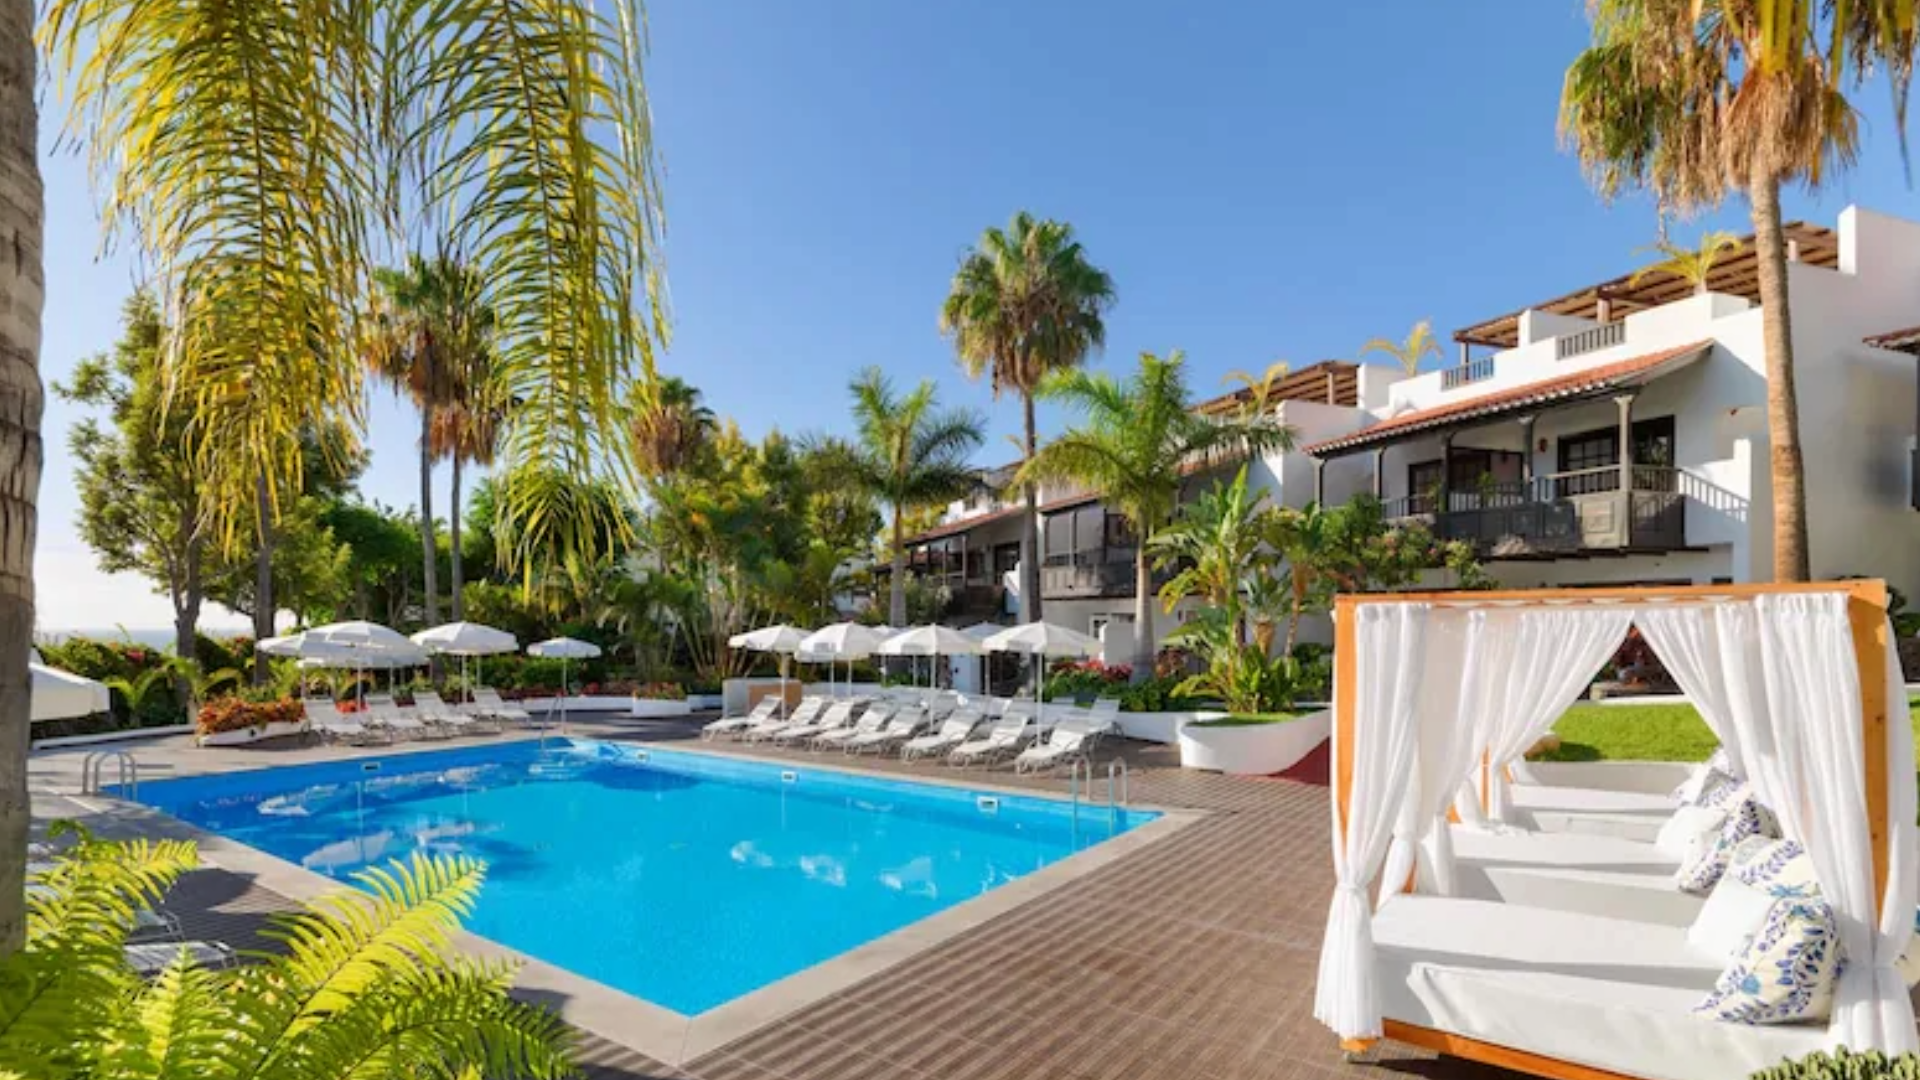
[
  {"x": 928, "y": 727},
  {"x": 430, "y": 717}
]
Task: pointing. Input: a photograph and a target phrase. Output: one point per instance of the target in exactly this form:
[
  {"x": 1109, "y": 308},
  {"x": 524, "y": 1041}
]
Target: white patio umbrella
[
  {"x": 361, "y": 634},
  {"x": 1040, "y": 640},
  {"x": 565, "y": 648},
  {"x": 780, "y": 639},
  {"x": 848, "y": 641},
  {"x": 60, "y": 695},
  {"x": 981, "y": 631},
  {"x": 931, "y": 640},
  {"x": 359, "y": 645},
  {"x": 464, "y": 639}
]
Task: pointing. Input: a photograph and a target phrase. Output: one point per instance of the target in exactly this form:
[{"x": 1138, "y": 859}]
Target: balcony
[{"x": 1561, "y": 514}]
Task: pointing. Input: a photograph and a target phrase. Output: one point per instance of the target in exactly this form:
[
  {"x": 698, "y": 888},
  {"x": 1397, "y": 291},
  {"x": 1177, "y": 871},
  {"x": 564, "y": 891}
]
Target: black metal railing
[{"x": 1583, "y": 508}]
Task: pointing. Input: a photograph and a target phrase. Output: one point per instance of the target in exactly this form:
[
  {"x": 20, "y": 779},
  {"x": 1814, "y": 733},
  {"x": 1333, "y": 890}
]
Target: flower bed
[{"x": 232, "y": 720}]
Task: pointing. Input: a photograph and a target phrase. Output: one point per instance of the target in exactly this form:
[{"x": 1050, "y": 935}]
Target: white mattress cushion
[
  {"x": 1786, "y": 973},
  {"x": 1559, "y": 849},
  {"x": 1555, "y": 797},
  {"x": 1602, "y": 992}
]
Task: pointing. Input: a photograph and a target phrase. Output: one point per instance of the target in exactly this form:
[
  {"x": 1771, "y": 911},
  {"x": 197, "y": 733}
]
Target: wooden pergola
[{"x": 1737, "y": 274}]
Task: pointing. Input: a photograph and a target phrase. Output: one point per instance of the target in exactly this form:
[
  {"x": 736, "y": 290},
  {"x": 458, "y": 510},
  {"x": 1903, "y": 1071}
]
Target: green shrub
[
  {"x": 1844, "y": 1064},
  {"x": 1314, "y": 678},
  {"x": 1158, "y": 694}
]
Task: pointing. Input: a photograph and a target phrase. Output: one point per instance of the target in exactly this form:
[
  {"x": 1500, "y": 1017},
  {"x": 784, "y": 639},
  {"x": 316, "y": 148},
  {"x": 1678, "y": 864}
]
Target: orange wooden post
[{"x": 1867, "y": 617}]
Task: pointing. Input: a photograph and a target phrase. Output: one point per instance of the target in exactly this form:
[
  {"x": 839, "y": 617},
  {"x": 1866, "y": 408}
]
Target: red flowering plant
[{"x": 1075, "y": 679}]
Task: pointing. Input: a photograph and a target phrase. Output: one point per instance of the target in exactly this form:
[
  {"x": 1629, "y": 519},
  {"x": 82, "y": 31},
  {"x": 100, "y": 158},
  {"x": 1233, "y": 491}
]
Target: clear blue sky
[{"x": 1263, "y": 181}]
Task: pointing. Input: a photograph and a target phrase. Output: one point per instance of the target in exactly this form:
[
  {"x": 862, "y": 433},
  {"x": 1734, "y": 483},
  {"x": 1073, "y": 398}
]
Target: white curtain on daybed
[
  {"x": 1687, "y": 642},
  {"x": 1794, "y": 701},
  {"x": 1460, "y": 642},
  {"x": 1554, "y": 653},
  {"x": 1389, "y": 659}
]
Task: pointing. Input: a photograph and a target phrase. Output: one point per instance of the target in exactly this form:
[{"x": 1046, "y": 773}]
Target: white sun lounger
[
  {"x": 1002, "y": 740},
  {"x": 871, "y": 722},
  {"x": 1071, "y": 740},
  {"x": 953, "y": 731},
  {"x": 837, "y": 715},
  {"x": 324, "y": 719},
  {"x": 1572, "y": 872},
  {"x": 765, "y": 709},
  {"x": 151, "y": 958},
  {"x": 382, "y": 712},
  {"x": 808, "y": 712},
  {"x": 905, "y": 725},
  {"x": 434, "y": 710},
  {"x": 1601, "y": 992},
  {"x": 486, "y": 702}
]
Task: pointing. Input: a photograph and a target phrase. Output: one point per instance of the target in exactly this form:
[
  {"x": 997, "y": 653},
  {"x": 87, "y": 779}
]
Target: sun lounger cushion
[
  {"x": 1605, "y": 993},
  {"x": 1598, "y": 875},
  {"x": 1537, "y": 797},
  {"x": 1786, "y": 973}
]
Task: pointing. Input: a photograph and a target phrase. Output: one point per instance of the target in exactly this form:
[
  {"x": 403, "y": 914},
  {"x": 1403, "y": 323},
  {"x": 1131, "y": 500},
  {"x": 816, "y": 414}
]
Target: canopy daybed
[{"x": 1433, "y": 691}]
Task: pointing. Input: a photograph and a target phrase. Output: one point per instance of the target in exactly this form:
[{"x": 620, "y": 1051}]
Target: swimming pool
[{"x": 682, "y": 878}]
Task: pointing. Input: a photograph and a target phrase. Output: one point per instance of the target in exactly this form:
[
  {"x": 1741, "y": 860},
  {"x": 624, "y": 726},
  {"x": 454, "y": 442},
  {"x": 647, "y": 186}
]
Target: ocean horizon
[{"x": 158, "y": 637}]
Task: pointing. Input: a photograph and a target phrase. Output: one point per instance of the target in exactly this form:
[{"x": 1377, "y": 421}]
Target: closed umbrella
[
  {"x": 780, "y": 639},
  {"x": 1040, "y": 640},
  {"x": 565, "y": 648},
  {"x": 60, "y": 695}
]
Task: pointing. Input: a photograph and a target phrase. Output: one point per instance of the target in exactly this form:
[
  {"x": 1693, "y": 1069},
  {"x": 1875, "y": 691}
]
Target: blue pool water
[{"x": 685, "y": 879}]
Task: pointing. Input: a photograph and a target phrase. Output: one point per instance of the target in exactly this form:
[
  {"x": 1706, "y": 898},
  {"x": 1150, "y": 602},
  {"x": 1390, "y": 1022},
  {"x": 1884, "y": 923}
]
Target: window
[
  {"x": 1598, "y": 449},
  {"x": 1466, "y": 472},
  {"x": 1423, "y": 482}
]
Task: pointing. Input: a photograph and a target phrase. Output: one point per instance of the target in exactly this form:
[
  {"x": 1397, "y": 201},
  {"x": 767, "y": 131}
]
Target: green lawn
[{"x": 1642, "y": 733}]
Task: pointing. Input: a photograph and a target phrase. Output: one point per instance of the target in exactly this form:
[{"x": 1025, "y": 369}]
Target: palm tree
[
  {"x": 1419, "y": 345},
  {"x": 258, "y": 175},
  {"x": 1024, "y": 303},
  {"x": 670, "y": 426},
  {"x": 1139, "y": 439},
  {"x": 908, "y": 453},
  {"x": 466, "y": 430},
  {"x": 1692, "y": 265},
  {"x": 1697, "y": 99}
]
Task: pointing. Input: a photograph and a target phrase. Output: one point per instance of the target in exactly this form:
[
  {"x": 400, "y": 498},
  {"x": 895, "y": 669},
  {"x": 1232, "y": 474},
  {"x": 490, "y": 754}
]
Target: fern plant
[{"x": 366, "y": 985}]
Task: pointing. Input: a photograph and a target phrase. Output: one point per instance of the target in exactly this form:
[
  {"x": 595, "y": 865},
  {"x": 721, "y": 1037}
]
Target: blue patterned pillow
[
  {"x": 1786, "y": 973},
  {"x": 1777, "y": 867},
  {"x": 1723, "y": 792},
  {"x": 1699, "y": 784},
  {"x": 1709, "y": 857}
]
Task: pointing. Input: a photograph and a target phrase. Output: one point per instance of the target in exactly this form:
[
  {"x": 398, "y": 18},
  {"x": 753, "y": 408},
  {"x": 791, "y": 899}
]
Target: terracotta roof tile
[{"x": 1574, "y": 384}]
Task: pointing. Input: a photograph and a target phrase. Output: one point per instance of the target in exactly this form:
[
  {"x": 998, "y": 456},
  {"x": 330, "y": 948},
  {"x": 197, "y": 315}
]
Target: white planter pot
[
  {"x": 579, "y": 703},
  {"x": 1160, "y": 727},
  {"x": 1255, "y": 749},
  {"x": 703, "y": 702},
  {"x": 654, "y": 708},
  {"x": 275, "y": 730}
]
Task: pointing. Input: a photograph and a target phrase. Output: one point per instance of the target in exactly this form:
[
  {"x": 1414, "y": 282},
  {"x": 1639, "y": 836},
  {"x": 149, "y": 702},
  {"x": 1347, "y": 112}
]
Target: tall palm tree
[
  {"x": 1693, "y": 265},
  {"x": 1139, "y": 439},
  {"x": 256, "y": 153},
  {"x": 908, "y": 453},
  {"x": 1419, "y": 344},
  {"x": 670, "y": 426},
  {"x": 1025, "y": 303},
  {"x": 1698, "y": 99},
  {"x": 466, "y": 431}
]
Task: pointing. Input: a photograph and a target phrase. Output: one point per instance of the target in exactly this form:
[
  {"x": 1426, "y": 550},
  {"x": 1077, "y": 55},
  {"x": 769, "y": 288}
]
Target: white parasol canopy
[
  {"x": 59, "y": 695},
  {"x": 780, "y": 638},
  {"x": 931, "y": 641},
  {"x": 981, "y": 631},
  {"x": 360, "y": 634},
  {"x": 847, "y": 641},
  {"x": 1042, "y": 639},
  {"x": 564, "y": 648},
  {"x": 466, "y": 639}
]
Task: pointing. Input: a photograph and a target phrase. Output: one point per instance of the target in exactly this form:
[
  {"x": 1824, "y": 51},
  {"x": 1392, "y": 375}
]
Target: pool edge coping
[{"x": 667, "y": 1036}]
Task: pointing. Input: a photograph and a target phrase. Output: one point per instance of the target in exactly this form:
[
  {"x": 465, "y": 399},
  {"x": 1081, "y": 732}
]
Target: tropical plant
[
  {"x": 1419, "y": 344},
  {"x": 1844, "y": 1064},
  {"x": 1693, "y": 265},
  {"x": 908, "y": 453},
  {"x": 367, "y": 984},
  {"x": 1140, "y": 439},
  {"x": 1026, "y": 302},
  {"x": 1258, "y": 389},
  {"x": 257, "y": 175},
  {"x": 670, "y": 426},
  {"x": 1698, "y": 99}
]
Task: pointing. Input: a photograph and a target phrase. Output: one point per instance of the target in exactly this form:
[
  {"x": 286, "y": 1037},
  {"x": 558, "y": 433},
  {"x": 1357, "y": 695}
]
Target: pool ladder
[
  {"x": 126, "y": 770},
  {"x": 1117, "y": 788}
]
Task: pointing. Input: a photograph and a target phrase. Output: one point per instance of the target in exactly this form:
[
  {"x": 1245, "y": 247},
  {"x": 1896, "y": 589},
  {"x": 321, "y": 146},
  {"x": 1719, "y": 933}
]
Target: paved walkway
[{"x": 1190, "y": 959}]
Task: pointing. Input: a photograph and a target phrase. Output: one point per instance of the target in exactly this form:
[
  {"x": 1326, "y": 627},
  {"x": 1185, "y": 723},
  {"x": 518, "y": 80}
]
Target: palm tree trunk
[
  {"x": 186, "y": 618},
  {"x": 262, "y": 574},
  {"x": 426, "y": 515},
  {"x": 1142, "y": 616},
  {"x": 1790, "y": 558},
  {"x": 453, "y": 519},
  {"x": 897, "y": 588},
  {"x": 1030, "y": 528},
  {"x": 23, "y": 286}
]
